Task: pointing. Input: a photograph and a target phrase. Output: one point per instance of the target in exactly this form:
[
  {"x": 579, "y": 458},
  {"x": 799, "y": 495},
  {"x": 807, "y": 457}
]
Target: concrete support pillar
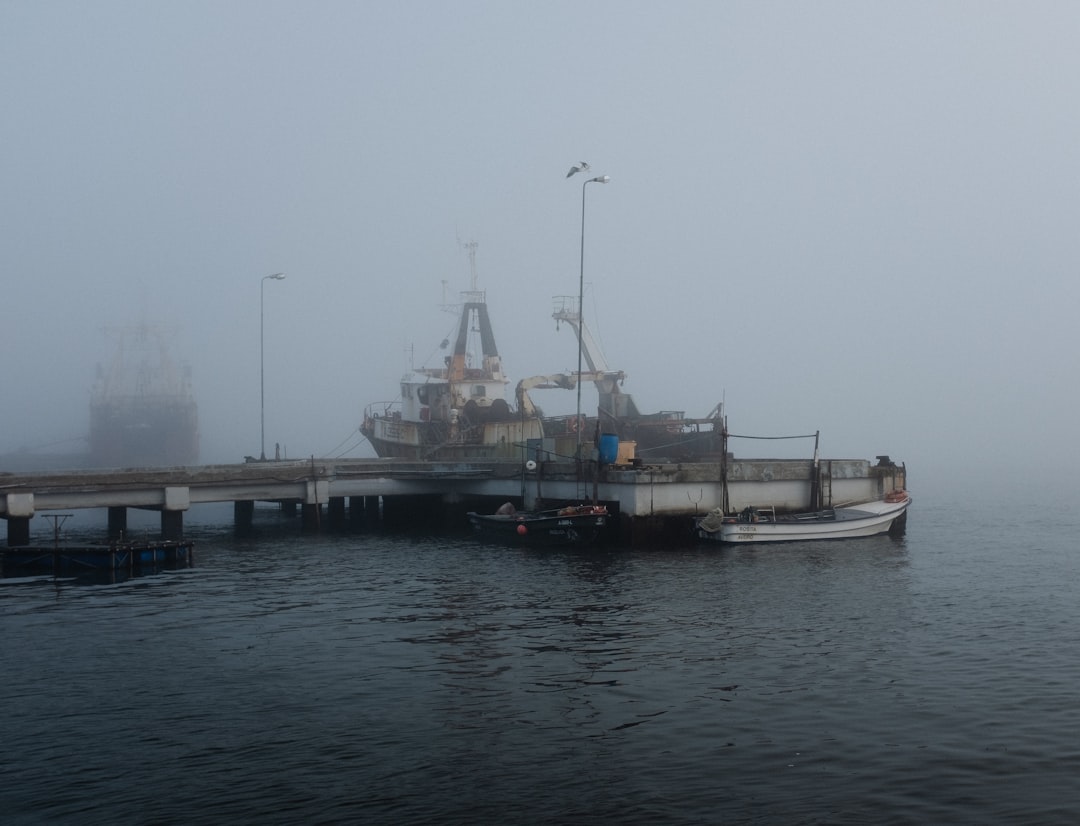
[
  {"x": 371, "y": 508},
  {"x": 311, "y": 518},
  {"x": 356, "y": 510},
  {"x": 288, "y": 508},
  {"x": 177, "y": 500},
  {"x": 20, "y": 510},
  {"x": 172, "y": 525},
  {"x": 18, "y": 531},
  {"x": 335, "y": 512},
  {"x": 243, "y": 514},
  {"x": 117, "y": 522},
  {"x": 393, "y": 508}
]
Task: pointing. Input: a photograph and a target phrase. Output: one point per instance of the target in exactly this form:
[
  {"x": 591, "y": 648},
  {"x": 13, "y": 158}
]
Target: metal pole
[
  {"x": 600, "y": 179},
  {"x": 278, "y": 276},
  {"x": 581, "y": 321},
  {"x": 262, "y": 373}
]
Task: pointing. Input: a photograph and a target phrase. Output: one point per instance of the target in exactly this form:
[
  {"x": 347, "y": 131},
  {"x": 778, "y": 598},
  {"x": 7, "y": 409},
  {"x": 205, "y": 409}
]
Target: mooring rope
[{"x": 735, "y": 436}]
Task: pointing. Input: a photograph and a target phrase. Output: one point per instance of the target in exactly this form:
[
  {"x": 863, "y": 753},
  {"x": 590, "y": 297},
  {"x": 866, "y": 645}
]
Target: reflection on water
[{"x": 388, "y": 679}]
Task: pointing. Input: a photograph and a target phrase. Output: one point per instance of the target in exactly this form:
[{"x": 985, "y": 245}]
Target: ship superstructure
[
  {"x": 458, "y": 410},
  {"x": 142, "y": 410},
  {"x": 667, "y": 434}
]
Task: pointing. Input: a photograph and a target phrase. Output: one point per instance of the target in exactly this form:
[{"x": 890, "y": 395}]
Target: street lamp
[
  {"x": 600, "y": 179},
  {"x": 278, "y": 276}
]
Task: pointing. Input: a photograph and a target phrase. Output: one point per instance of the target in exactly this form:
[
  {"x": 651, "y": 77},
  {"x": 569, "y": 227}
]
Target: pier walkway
[{"x": 633, "y": 493}]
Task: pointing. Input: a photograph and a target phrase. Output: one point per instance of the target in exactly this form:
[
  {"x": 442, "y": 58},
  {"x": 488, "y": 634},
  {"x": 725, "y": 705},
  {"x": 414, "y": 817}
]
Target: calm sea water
[{"x": 383, "y": 679}]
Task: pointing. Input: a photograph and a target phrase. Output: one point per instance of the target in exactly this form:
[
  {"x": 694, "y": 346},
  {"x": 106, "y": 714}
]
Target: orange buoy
[{"x": 522, "y": 530}]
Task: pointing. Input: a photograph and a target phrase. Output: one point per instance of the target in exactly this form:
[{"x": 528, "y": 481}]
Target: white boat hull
[{"x": 869, "y": 519}]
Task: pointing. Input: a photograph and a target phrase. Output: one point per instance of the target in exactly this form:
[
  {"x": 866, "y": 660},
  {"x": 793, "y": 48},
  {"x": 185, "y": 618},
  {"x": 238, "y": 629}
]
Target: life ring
[
  {"x": 573, "y": 425},
  {"x": 896, "y": 496}
]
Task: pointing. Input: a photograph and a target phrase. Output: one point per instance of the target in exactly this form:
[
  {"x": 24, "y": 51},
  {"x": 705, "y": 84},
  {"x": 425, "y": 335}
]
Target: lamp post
[
  {"x": 600, "y": 179},
  {"x": 278, "y": 276}
]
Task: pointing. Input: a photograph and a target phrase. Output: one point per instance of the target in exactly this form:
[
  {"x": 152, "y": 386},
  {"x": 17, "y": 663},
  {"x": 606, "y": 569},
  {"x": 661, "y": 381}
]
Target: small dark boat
[{"x": 573, "y": 525}]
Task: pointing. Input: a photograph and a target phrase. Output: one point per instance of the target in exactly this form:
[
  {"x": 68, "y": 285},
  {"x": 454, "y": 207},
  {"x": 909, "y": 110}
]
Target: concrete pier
[{"x": 646, "y": 500}]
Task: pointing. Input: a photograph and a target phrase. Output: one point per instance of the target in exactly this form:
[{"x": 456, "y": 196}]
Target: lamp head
[
  {"x": 602, "y": 179},
  {"x": 278, "y": 276}
]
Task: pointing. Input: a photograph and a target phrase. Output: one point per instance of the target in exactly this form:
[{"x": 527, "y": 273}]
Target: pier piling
[
  {"x": 18, "y": 530},
  {"x": 335, "y": 512},
  {"x": 243, "y": 514},
  {"x": 172, "y": 525},
  {"x": 311, "y": 517},
  {"x": 117, "y": 522}
]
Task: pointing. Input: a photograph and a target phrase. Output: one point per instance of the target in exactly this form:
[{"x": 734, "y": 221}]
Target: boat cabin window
[{"x": 479, "y": 391}]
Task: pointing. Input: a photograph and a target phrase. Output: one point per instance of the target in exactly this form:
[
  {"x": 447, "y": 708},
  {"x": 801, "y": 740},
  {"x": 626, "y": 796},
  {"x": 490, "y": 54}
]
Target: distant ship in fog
[{"x": 142, "y": 410}]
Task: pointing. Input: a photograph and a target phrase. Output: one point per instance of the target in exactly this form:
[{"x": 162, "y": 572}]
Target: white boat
[{"x": 756, "y": 525}]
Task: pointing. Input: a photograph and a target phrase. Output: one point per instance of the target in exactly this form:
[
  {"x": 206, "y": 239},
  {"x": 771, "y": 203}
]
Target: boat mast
[
  {"x": 725, "y": 505},
  {"x": 470, "y": 249}
]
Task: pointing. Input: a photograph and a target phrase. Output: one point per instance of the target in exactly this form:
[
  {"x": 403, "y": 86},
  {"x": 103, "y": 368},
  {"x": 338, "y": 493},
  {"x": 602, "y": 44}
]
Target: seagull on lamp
[{"x": 576, "y": 168}]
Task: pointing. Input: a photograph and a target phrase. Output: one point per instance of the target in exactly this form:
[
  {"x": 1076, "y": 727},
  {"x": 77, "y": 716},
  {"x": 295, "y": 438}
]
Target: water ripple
[{"x": 390, "y": 679}]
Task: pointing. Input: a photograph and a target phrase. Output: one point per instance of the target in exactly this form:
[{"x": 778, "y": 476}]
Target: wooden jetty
[{"x": 647, "y": 502}]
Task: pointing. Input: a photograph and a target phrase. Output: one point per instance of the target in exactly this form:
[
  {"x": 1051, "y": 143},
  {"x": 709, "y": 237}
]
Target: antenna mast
[{"x": 470, "y": 249}]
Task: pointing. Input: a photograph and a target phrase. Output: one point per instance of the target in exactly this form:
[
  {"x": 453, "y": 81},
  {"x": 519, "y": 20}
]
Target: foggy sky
[{"x": 859, "y": 218}]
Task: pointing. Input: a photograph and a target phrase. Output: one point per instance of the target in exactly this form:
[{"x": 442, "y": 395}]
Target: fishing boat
[
  {"x": 458, "y": 410},
  {"x": 572, "y": 525},
  {"x": 765, "y": 525},
  {"x": 143, "y": 411},
  {"x": 664, "y": 436}
]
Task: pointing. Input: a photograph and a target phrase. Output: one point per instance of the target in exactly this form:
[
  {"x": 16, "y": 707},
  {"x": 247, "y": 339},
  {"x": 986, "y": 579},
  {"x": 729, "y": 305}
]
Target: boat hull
[
  {"x": 583, "y": 527},
  {"x": 393, "y": 438},
  {"x": 134, "y": 432},
  {"x": 869, "y": 519}
]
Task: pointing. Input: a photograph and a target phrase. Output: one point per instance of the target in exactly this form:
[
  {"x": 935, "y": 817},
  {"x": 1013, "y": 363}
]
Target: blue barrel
[{"x": 609, "y": 448}]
